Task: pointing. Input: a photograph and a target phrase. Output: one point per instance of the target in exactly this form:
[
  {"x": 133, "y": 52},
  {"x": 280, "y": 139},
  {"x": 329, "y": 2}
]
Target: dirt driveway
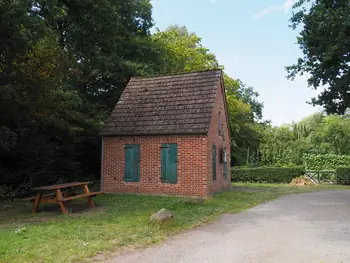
[{"x": 305, "y": 228}]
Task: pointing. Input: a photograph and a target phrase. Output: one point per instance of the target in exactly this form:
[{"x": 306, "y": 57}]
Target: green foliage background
[
  {"x": 327, "y": 138},
  {"x": 63, "y": 67},
  {"x": 325, "y": 161},
  {"x": 342, "y": 176}
]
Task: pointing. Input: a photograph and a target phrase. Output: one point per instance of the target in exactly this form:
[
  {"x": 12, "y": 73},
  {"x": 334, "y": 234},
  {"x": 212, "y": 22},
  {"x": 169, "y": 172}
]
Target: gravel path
[{"x": 304, "y": 228}]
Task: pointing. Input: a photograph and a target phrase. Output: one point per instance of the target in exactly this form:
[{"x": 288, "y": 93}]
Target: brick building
[{"x": 168, "y": 135}]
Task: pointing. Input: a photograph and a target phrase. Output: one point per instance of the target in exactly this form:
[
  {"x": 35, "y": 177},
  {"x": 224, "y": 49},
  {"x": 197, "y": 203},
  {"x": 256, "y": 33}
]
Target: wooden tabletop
[{"x": 59, "y": 186}]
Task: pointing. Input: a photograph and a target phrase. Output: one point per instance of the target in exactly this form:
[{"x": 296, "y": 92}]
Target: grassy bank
[{"x": 120, "y": 221}]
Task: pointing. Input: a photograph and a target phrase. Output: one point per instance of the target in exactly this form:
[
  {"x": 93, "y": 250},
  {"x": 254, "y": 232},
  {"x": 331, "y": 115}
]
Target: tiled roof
[{"x": 172, "y": 104}]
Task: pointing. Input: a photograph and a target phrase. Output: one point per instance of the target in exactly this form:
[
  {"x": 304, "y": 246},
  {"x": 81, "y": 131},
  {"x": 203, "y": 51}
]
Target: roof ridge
[{"x": 176, "y": 74}]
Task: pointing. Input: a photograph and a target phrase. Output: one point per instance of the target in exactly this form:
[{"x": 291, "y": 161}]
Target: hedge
[
  {"x": 325, "y": 161},
  {"x": 342, "y": 175},
  {"x": 266, "y": 174}
]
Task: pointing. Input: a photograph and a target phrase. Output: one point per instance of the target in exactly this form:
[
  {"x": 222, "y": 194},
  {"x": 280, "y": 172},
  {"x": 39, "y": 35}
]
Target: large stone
[{"x": 162, "y": 215}]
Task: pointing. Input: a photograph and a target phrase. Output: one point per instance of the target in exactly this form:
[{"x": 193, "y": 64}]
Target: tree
[
  {"x": 280, "y": 147},
  {"x": 333, "y": 136},
  {"x": 246, "y": 94},
  {"x": 42, "y": 117},
  {"x": 325, "y": 42},
  {"x": 63, "y": 65},
  {"x": 108, "y": 41},
  {"x": 183, "y": 51},
  {"x": 250, "y": 96},
  {"x": 245, "y": 131}
]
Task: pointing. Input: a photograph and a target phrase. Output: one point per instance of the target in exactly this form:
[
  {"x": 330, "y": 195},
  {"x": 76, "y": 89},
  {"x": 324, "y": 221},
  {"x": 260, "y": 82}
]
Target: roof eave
[{"x": 115, "y": 134}]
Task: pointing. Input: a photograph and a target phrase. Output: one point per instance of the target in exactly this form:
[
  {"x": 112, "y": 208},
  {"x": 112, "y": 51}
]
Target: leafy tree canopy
[
  {"x": 183, "y": 51},
  {"x": 325, "y": 42},
  {"x": 63, "y": 65}
]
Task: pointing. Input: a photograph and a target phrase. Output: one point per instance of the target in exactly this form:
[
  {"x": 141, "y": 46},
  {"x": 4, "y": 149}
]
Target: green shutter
[
  {"x": 172, "y": 164},
  {"x": 136, "y": 172},
  {"x": 164, "y": 162},
  {"x": 214, "y": 161},
  {"x": 225, "y": 171},
  {"x": 169, "y": 163},
  {"x": 132, "y": 163},
  {"x": 129, "y": 150}
]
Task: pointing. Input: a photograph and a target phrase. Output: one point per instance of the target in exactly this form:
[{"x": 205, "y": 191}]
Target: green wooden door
[
  {"x": 169, "y": 163},
  {"x": 132, "y": 163}
]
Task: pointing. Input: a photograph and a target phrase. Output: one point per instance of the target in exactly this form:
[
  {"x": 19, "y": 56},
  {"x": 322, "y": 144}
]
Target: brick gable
[{"x": 221, "y": 142}]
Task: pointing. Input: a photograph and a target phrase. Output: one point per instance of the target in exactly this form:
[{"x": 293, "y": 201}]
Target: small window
[
  {"x": 169, "y": 163},
  {"x": 132, "y": 163},
  {"x": 214, "y": 162},
  {"x": 220, "y": 123}
]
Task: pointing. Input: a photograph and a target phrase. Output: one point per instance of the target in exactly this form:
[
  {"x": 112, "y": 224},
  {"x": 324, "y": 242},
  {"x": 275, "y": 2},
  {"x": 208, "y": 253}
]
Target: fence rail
[{"x": 321, "y": 176}]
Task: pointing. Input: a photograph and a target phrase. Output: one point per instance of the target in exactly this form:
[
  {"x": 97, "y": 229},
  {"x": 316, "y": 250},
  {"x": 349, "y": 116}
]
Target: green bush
[
  {"x": 266, "y": 174},
  {"x": 325, "y": 162},
  {"x": 342, "y": 175}
]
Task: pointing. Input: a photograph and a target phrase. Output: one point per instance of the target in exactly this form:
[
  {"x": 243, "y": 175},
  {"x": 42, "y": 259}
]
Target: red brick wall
[
  {"x": 192, "y": 165},
  {"x": 220, "y": 142}
]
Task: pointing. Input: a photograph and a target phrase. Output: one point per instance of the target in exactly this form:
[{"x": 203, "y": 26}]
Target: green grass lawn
[{"x": 122, "y": 223}]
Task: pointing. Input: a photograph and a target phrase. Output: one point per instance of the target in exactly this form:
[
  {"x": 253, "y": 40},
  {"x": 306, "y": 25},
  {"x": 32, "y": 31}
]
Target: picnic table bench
[{"x": 60, "y": 197}]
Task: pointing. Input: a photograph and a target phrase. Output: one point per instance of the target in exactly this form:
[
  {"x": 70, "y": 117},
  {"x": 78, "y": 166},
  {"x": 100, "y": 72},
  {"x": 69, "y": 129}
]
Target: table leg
[
  {"x": 59, "y": 199},
  {"x": 37, "y": 202},
  {"x": 90, "y": 201},
  {"x": 63, "y": 209}
]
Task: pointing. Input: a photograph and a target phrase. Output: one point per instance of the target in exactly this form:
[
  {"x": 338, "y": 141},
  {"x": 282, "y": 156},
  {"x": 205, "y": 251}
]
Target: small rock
[{"x": 161, "y": 216}]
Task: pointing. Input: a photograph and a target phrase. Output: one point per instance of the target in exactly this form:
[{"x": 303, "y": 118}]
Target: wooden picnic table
[{"x": 59, "y": 196}]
